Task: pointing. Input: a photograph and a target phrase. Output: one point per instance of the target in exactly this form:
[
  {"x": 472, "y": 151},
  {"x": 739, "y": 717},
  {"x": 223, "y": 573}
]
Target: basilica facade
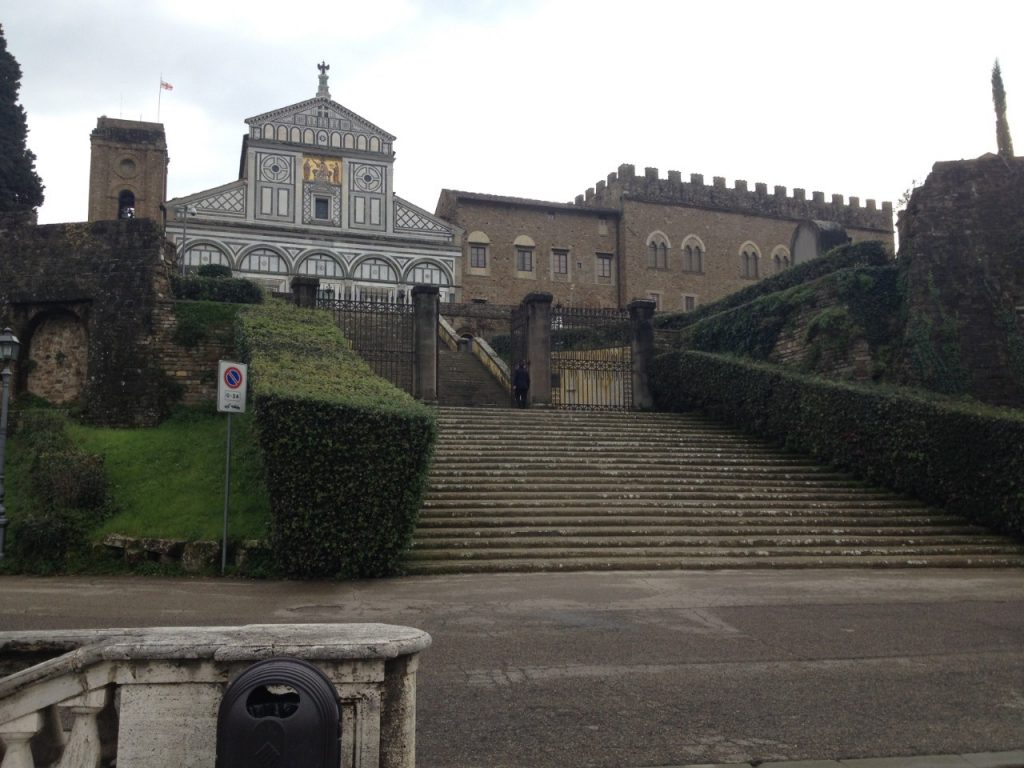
[{"x": 315, "y": 196}]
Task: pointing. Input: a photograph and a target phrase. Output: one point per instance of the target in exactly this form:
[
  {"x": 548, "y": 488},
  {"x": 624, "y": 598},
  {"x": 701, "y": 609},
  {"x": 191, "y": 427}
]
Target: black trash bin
[{"x": 279, "y": 713}]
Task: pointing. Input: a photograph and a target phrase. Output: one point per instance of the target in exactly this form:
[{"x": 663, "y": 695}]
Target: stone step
[
  {"x": 642, "y": 491},
  {"x": 907, "y": 525},
  {"x": 549, "y": 490},
  {"x": 693, "y": 562},
  {"x": 780, "y": 504},
  {"x": 530, "y": 541},
  {"x": 566, "y": 551}
]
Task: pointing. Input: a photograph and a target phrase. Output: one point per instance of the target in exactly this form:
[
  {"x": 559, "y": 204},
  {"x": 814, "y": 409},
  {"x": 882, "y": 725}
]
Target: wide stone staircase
[
  {"x": 535, "y": 490},
  {"x": 462, "y": 380}
]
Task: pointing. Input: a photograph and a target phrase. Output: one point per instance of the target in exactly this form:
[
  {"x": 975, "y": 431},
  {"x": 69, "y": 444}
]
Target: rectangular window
[
  {"x": 478, "y": 256},
  {"x": 604, "y": 265},
  {"x": 323, "y": 208},
  {"x": 689, "y": 303},
  {"x": 656, "y": 298},
  {"x": 374, "y": 210},
  {"x": 524, "y": 259},
  {"x": 282, "y": 202},
  {"x": 360, "y": 210},
  {"x": 560, "y": 262},
  {"x": 267, "y": 201}
]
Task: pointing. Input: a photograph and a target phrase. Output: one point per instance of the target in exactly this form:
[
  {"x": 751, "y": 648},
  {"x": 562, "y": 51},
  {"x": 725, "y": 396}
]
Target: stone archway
[{"x": 57, "y": 357}]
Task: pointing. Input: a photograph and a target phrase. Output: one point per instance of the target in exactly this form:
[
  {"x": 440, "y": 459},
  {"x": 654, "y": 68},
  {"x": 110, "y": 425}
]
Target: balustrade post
[
  {"x": 641, "y": 312},
  {"x": 83, "y": 749},
  {"x": 16, "y": 736}
]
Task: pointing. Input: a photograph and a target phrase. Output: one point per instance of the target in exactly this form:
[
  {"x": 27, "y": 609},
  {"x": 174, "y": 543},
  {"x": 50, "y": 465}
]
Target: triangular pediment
[{"x": 313, "y": 113}]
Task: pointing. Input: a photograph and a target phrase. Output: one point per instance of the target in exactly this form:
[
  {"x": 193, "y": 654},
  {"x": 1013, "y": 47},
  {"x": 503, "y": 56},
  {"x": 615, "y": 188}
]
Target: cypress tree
[
  {"x": 21, "y": 189},
  {"x": 1003, "y": 140}
]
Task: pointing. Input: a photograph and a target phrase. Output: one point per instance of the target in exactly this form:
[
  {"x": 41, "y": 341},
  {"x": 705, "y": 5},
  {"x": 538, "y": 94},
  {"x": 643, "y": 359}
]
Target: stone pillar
[
  {"x": 426, "y": 315},
  {"x": 641, "y": 311},
  {"x": 538, "y": 346},
  {"x": 304, "y": 290}
]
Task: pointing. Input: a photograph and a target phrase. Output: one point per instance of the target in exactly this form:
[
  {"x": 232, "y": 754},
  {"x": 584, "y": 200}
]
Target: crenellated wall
[{"x": 739, "y": 198}]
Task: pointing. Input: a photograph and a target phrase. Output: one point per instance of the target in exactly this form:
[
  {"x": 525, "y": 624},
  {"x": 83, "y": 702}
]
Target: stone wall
[
  {"x": 74, "y": 291},
  {"x": 962, "y": 252},
  {"x": 191, "y": 364}
]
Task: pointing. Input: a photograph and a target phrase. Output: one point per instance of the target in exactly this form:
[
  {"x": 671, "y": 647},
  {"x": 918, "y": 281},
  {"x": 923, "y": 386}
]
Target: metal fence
[
  {"x": 591, "y": 359},
  {"x": 381, "y": 332}
]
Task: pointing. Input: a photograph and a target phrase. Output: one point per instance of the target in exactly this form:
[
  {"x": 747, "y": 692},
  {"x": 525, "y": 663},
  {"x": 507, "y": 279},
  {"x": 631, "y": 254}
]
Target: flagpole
[{"x": 159, "y": 96}]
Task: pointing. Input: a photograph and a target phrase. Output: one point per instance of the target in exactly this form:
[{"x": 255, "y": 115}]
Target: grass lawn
[{"x": 168, "y": 481}]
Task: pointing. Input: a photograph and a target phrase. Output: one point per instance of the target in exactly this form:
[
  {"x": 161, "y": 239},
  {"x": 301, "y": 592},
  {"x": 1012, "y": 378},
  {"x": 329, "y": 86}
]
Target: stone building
[
  {"x": 128, "y": 170},
  {"x": 678, "y": 243},
  {"x": 315, "y": 196}
]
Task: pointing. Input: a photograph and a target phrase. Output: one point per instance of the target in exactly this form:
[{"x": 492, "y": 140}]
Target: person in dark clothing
[{"x": 521, "y": 383}]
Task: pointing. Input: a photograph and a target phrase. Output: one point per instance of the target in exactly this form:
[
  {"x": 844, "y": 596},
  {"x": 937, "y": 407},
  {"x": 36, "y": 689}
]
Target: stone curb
[{"x": 1014, "y": 759}]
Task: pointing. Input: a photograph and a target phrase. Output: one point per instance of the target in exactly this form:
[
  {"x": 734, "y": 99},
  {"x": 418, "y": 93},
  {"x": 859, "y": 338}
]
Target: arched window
[
  {"x": 657, "y": 251},
  {"x": 524, "y": 246},
  {"x": 428, "y": 274},
  {"x": 282, "y": 133},
  {"x": 693, "y": 254},
  {"x": 264, "y": 260},
  {"x": 780, "y": 258},
  {"x": 126, "y": 204},
  {"x": 376, "y": 270},
  {"x": 360, "y": 142},
  {"x": 321, "y": 265},
  {"x": 205, "y": 253},
  {"x": 749, "y": 257},
  {"x": 374, "y": 144},
  {"x": 479, "y": 250}
]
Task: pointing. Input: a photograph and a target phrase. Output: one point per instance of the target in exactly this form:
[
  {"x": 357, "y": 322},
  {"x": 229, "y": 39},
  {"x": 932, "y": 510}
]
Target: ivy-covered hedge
[
  {"x": 856, "y": 303},
  {"x": 346, "y": 453},
  {"x": 870, "y": 253},
  {"x": 236, "y": 290},
  {"x": 964, "y": 457}
]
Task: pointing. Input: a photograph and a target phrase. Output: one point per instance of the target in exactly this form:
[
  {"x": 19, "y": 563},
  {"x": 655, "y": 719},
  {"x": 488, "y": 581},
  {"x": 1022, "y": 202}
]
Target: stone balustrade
[{"x": 148, "y": 698}]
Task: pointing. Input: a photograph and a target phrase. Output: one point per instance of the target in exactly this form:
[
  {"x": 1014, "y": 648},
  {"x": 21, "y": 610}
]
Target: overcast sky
[{"x": 532, "y": 98}]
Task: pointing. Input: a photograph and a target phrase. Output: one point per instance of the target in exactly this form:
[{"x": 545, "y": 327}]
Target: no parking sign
[{"x": 232, "y": 379}]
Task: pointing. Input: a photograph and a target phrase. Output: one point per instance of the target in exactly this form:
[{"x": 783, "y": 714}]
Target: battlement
[{"x": 650, "y": 187}]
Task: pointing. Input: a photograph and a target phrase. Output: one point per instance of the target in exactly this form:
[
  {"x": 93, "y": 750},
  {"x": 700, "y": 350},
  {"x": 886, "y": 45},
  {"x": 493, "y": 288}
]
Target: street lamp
[
  {"x": 8, "y": 351},
  {"x": 183, "y": 212}
]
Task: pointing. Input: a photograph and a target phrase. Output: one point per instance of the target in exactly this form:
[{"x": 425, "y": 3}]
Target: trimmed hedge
[
  {"x": 235, "y": 290},
  {"x": 346, "y": 453},
  {"x": 966, "y": 458},
  {"x": 870, "y": 253}
]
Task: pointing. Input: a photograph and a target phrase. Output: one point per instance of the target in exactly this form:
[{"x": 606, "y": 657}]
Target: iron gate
[
  {"x": 381, "y": 332},
  {"x": 591, "y": 359}
]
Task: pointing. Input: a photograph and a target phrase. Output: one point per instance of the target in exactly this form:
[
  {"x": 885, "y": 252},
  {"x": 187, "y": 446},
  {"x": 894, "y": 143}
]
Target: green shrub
[
  {"x": 346, "y": 453},
  {"x": 66, "y": 478},
  {"x": 964, "y": 457},
  {"x": 67, "y": 494},
  {"x": 43, "y": 541},
  {"x": 202, "y": 320},
  {"x": 234, "y": 290},
  {"x": 216, "y": 271}
]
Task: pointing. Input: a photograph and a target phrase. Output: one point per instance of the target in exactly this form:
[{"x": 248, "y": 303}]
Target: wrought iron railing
[{"x": 380, "y": 332}]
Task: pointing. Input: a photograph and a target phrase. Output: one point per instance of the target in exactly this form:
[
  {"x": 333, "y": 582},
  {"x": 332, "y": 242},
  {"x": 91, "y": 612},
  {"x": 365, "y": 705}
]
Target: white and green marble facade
[{"x": 316, "y": 197}]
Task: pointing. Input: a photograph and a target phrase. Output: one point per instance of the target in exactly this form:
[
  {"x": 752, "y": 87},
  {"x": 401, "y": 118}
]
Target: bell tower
[{"x": 128, "y": 170}]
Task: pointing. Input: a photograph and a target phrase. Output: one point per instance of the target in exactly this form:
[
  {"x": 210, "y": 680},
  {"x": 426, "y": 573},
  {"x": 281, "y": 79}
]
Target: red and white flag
[{"x": 166, "y": 86}]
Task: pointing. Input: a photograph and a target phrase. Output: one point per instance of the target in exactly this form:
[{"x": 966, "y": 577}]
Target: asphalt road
[{"x": 645, "y": 669}]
